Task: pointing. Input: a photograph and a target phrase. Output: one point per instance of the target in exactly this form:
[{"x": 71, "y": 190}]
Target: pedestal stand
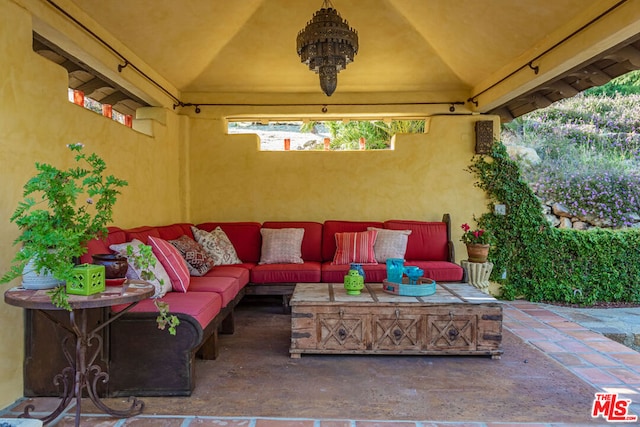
[{"x": 478, "y": 274}]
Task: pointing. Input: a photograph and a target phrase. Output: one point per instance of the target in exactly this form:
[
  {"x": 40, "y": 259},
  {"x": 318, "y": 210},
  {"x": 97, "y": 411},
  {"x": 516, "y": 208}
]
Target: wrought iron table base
[{"x": 82, "y": 372}]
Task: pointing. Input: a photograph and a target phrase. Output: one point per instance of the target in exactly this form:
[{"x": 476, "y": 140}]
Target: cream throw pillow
[
  {"x": 281, "y": 245},
  {"x": 162, "y": 282},
  {"x": 390, "y": 243}
]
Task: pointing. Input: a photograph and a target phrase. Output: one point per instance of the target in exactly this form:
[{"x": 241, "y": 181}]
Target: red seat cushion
[
  {"x": 226, "y": 287},
  {"x": 202, "y": 306},
  {"x": 240, "y": 272},
  {"x": 440, "y": 271},
  {"x": 308, "y": 272}
]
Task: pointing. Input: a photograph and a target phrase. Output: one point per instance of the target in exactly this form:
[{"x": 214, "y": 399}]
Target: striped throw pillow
[
  {"x": 355, "y": 247},
  {"x": 172, "y": 262}
]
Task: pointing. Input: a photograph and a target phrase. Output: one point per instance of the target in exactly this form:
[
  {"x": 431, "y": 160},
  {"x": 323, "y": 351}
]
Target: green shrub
[
  {"x": 378, "y": 134},
  {"x": 535, "y": 261}
]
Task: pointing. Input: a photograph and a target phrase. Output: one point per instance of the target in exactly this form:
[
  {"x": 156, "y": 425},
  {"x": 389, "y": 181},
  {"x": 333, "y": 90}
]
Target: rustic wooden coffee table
[{"x": 457, "y": 320}]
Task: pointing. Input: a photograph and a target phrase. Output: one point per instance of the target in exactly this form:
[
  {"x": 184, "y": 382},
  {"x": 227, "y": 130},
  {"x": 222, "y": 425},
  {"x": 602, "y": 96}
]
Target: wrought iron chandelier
[{"x": 327, "y": 44}]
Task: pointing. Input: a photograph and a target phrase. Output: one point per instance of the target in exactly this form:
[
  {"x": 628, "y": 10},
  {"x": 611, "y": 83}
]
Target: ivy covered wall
[{"x": 538, "y": 262}]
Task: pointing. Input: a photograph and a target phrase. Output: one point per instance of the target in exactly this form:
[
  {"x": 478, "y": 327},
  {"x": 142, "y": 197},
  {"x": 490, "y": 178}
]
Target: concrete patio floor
[{"x": 566, "y": 361}]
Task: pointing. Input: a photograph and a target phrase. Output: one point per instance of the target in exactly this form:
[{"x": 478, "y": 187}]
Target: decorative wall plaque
[{"x": 484, "y": 136}]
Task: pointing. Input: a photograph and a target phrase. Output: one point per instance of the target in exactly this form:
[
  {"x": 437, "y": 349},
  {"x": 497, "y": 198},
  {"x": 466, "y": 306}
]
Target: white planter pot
[{"x": 35, "y": 280}]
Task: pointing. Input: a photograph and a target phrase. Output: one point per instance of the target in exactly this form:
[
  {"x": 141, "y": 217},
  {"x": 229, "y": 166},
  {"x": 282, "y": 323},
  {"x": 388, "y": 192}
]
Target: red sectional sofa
[
  {"x": 429, "y": 246},
  {"x": 144, "y": 361}
]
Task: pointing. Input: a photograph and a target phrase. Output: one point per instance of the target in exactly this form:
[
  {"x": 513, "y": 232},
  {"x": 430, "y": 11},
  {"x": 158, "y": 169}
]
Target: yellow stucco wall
[
  {"x": 190, "y": 170},
  {"x": 36, "y": 122},
  {"x": 422, "y": 178}
]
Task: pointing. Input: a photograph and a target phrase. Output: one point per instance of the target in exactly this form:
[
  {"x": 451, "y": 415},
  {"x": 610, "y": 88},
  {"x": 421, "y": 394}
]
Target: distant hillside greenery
[{"x": 589, "y": 147}]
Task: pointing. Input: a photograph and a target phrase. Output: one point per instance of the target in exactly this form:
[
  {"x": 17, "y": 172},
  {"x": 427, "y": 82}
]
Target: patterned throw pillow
[
  {"x": 355, "y": 247},
  {"x": 162, "y": 283},
  {"x": 173, "y": 262},
  {"x": 390, "y": 243},
  {"x": 217, "y": 245},
  {"x": 281, "y": 245},
  {"x": 198, "y": 260}
]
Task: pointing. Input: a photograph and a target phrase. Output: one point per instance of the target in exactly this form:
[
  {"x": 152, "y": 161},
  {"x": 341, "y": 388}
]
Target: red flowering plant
[{"x": 477, "y": 236}]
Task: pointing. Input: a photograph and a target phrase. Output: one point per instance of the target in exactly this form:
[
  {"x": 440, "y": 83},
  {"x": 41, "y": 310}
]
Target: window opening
[
  {"x": 353, "y": 135},
  {"x": 78, "y": 98},
  {"x": 90, "y": 89}
]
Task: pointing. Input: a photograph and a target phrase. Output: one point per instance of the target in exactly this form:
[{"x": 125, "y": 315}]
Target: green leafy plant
[
  {"x": 377, "y": 133},
  {"x": 144, "y": 260},
  {"x": 538, "y": 262},
  {"x": 61, "y": 211}
]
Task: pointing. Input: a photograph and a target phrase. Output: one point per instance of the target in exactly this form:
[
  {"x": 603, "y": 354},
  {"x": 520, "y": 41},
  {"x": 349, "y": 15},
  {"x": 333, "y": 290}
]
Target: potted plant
[
  {"x": 62, "y": 210},
  {"x": 478, "y": 242}
]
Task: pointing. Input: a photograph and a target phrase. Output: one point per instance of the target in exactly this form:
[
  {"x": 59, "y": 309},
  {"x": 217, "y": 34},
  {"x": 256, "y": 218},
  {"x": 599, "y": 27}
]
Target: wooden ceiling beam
[
  {"x": 114, "y": 98},
  {"x": 93, "y": 85},
  {"x": 595, "y": 75},
  {"x": 564, "y": 89},
  {"x": 627, "y": 53}
]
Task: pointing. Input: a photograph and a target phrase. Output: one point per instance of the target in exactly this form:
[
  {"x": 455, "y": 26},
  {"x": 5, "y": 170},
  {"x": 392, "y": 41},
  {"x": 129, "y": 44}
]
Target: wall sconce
[{"x": 484, "y": 136}]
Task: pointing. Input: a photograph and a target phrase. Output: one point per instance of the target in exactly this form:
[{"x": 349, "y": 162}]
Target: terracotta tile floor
[{"x": 605, "y": 364}]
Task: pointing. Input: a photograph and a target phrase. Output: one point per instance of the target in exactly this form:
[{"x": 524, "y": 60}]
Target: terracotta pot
[
  {"x": 115, "y": 266},
  {"x": 477, "y": 252}
]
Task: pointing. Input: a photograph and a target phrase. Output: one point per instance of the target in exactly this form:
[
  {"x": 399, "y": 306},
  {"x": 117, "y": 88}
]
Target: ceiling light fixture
[{"x": 327, "y": 44}]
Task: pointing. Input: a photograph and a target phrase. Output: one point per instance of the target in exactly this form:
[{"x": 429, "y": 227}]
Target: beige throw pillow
[
  {"x": 162, "y": 282},
  {"x": 281, "y": 245},
  {"x": 390, "y": 243},
  {"x": 217, "y": 245}
]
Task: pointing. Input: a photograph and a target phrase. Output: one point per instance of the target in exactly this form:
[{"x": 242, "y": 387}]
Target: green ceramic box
[{"x": 88, "y": 280}]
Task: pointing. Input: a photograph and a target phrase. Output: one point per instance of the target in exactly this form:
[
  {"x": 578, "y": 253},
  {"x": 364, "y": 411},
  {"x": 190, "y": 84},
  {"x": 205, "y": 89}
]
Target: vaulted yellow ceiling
[{"x": 410, "y": 50}]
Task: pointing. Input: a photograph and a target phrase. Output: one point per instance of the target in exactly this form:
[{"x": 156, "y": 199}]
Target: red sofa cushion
[
  {"x": 98, "y": 246},
  {"x": 427, "y": 241},
  {"x": 440, "y": 271},
  {"x": 311, "y": 241},
  {"x": 245, "y": 237},
  {"x": 174, "y": 231},
  {"x": 202, "y": 306},
  {"x": 332, "y": 273},
  {"x": 308, "y": 272},
  {"x": 240, "y": 272},
  {"x": 142, "y": 233},
  {"x": 226, "y": 287},
  {"x": 165, "y": 232},
  {"x": 331, "y": 227}
]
